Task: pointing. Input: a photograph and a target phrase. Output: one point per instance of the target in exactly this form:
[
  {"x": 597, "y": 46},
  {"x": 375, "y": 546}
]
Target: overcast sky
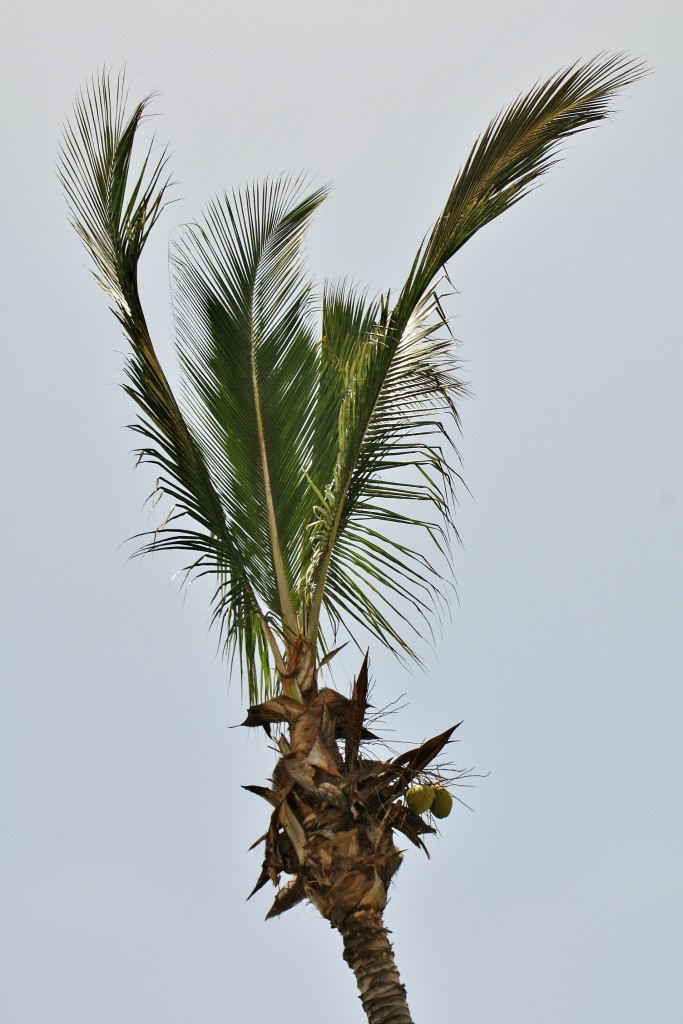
[{"x": 124, "y": 826}]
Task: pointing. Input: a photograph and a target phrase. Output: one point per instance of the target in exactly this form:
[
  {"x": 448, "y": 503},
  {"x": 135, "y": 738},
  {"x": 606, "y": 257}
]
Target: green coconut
[
  {"x": 420, "y": 798},
  {"x": 443, "y": 802}
]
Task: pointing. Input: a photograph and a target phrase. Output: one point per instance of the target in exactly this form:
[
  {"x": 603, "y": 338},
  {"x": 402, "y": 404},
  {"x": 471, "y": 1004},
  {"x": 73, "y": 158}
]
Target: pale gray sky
[{"x": 124, "y": 868}]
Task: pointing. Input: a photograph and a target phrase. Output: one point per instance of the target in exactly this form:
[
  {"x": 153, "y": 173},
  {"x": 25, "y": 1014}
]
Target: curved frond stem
[{"x": 289, "y": 621}]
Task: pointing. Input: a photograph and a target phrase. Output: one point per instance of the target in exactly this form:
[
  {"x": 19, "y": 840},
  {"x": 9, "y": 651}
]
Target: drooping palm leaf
[{"x": 113, "y": 217}]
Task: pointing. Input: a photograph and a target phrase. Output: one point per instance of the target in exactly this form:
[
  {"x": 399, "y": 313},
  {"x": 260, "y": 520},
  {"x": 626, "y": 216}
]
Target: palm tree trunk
[{"x": 368, "y": 953}]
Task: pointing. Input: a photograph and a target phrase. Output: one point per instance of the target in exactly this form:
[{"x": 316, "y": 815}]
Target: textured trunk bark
[{"x": 368, "y": 953}]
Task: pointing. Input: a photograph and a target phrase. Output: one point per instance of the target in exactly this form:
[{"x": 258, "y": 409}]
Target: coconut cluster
[{"x": 423, "y": 798}]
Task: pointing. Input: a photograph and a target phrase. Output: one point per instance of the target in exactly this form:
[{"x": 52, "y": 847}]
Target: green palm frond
[
  {"x": 348, "y": 320},
  {"x": 519, "y": 146},
  {"x": 391, "y": 448},
  {"x": 113, "y": 216},
  {"x": 249, "y": 354},
  {"x": 401, "y": 383}
]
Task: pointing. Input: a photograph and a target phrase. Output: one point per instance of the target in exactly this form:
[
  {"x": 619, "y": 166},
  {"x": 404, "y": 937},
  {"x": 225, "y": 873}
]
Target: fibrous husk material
[{"x": 335, "y": 811}]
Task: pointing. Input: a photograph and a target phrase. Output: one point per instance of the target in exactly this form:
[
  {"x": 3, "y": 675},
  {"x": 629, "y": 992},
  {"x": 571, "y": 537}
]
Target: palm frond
[
  {"x": 348, "y": 320},
  {"x": 391, "y": 449},
  {"x": 250, "y": 360},
  {"x": 519, "y": 146},
  {"x": 113, "y": 217},
  {"x": 399, "y": 381}
]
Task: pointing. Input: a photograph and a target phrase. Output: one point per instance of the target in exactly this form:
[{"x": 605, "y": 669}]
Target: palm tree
[{"x": 308, "y": 440}]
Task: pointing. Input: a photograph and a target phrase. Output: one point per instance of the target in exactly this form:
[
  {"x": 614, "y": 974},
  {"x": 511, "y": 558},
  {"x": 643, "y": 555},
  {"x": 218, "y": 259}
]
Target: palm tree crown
[{"x": 298, "y": 445}]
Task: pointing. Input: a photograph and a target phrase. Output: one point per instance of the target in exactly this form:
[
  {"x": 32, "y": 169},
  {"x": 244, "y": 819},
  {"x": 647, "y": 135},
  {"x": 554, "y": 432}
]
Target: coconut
[
  {"x": 420, "y": 798},
  {"x": 442, "y": 803}
]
